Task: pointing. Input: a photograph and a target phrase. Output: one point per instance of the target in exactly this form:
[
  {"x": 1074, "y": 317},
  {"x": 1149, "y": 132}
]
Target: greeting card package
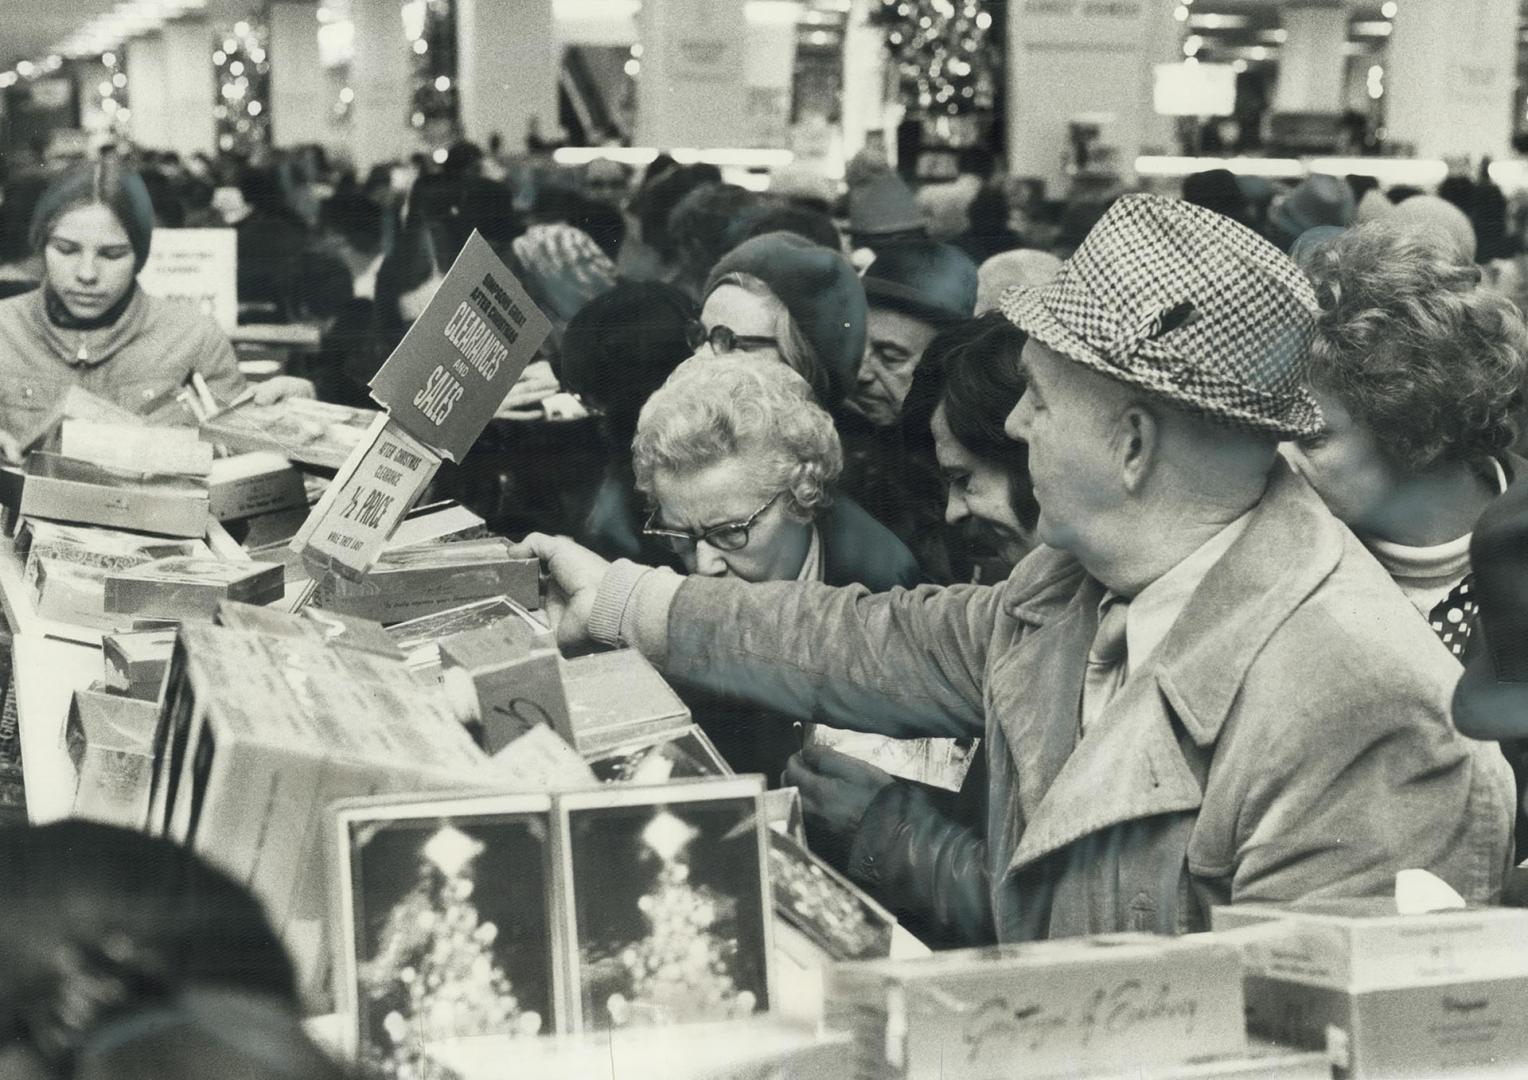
[
  {"x": 617, "y": 699},
  {"x": 438, "y": 523},
  {"x": 182, "y": 587},
  {"x": 1437, "y": 994},
  {"x": 408, "y": 583},
  {"x": 445, "y": 925},
  {"x": 689, "y": 755},
  {"x": 134, "y": 663},
  {"x": 67, "y": 565},
  {"x": 668, "y": 903},
  {"x": 306, "y": 431},
  {"x": 540, "y": 760},
  {"x": 311, "y": 624},
  {"x": 833, "y": 914},
  {"x": 1052, "y": 1008},
  {"x": 261, "y": 733},
  {"x": 111, "y": 743},
  {"x": 136, "y": 448},
  {"x": 253, "y": 484},
  {"x": 62, "y": 489}
]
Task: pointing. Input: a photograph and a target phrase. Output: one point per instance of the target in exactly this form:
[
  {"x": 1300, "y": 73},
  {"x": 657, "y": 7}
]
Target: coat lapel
[{"x": 1134, "y": 761}]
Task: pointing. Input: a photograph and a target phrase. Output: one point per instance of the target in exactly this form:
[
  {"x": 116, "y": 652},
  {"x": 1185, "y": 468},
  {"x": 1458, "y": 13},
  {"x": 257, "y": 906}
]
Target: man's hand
[
  {"x": 280, "y": 388},
  {"x": 576, "y": 573},
  {"x": 836, "y": 790}
]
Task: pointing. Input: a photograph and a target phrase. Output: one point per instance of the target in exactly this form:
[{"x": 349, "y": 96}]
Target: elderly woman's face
[
  {"x": 728, "y": 492},
  {"x": 1346, "y": 467},
  {"x": 89, "y": 260},
  {"x": 748, "y": 315}
]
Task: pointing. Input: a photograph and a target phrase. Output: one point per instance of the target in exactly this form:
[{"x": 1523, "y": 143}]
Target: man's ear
[{"x": 1138, "y": 436}]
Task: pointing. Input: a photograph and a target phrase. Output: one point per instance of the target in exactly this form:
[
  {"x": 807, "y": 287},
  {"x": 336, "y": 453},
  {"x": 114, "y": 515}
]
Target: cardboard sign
[
  {"x": 195, "y": 265},
  {"x": 457, "y": 363},
  {"x": 384, "y": 477}
]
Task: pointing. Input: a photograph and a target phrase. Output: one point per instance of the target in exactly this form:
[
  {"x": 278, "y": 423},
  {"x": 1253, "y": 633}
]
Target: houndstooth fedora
[{"x": 1187, "y": 305}]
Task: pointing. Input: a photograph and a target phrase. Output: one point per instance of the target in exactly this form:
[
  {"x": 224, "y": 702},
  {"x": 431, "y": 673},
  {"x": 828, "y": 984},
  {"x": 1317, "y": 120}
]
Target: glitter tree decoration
[
  {"x": 435, "y": 975},
  {"x": 243, "y": 87},
  {"x": 682, "y": 970},
  {"x": 947, "y": 61}
]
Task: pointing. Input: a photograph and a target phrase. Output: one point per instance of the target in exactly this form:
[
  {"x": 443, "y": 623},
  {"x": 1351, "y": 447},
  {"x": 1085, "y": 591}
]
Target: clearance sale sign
[{"x": 452, "y": 370}]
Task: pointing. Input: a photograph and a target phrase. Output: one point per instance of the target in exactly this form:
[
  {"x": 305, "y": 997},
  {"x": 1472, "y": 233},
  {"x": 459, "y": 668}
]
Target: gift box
[
  {"x": 307, "y": 431},
  {"x": 183, "y": 587},
  {"x": 420, "y": 638},
  {"x": 134, "y": 448},
  {"x": 617, "y": 699},
  {"x": 514, "y": 675},
  {"x": 110, "y": 739},
  {"x": 66, "y": 569},
  {"x": 689, "y": 755},
  {"x": 438, "y": 523},
  {"x": 1051, "y": 1008},
  {"x": 1385, "y": 994},
  {"x": 135, "y": 663},
  {"x": 408, "y": 583},
  {"x": 255, "y": 484},
  {"x": 261, "y": 733},
  {"x": 540, "y": 760},
  {"x": 62, "y": 489}
]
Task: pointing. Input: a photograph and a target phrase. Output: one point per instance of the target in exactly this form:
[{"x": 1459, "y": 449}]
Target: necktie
[{"x": 1106, "y": 659}]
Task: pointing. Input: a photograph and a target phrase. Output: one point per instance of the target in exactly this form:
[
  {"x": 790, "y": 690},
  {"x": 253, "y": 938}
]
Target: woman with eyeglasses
[
  {"x": 738, "y": 465},
  {"x": 780, "y": 296}
]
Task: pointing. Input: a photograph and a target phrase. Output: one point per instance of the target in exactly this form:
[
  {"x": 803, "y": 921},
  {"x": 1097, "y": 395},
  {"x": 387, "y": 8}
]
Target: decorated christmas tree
[
  {"x": 435, "y": 975},
  {"x": 682, "y": 970}
]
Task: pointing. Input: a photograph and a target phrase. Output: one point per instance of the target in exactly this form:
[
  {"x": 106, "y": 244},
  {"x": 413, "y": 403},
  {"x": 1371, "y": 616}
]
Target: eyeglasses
[
  {"x": 723, "y": 339},
  {"x": 728, "y": 536}
]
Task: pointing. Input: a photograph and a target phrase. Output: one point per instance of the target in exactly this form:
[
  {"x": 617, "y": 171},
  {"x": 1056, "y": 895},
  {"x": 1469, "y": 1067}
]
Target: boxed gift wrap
[
  {"x": 617, "y": 699},
  {"x": 1422, "y": 995},
  {"x": 62, "y": 489},
  {"x": 420, "y": 638},
  {"x": 254, "y": 484},
  {"x": 134, "y": 448},
  {"x": 438, "y": 523},
  {"x": 513, "y": 675},
  {"x": 66, "y": 568},
  {"x": 135, "y": 662},
  {"x": 1049, "y": 1008},
  {"x": 311, "y": 624},
  {"x": 110, "y": 739},
  {"x": 260, "y": 733},
  {"x": 689, "y": 755},
  {"x": 409, "y": 583},
  {"x": 182, "y": 587}
]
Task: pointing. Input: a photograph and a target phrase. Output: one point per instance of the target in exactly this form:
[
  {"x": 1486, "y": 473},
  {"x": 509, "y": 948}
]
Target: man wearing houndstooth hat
[{"x": 1200, "y": 690}]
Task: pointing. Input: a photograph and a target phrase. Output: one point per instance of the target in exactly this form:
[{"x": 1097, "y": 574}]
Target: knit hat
[
  {"x": 820, "y": 290},
  {"x": 568, "y": 268},
  {"x": 1009, "y": 268},
  {"x": 121, "y": 190},
  {"x": 1187, "y": 305},
  {"x": 1317, "y": 200},
  {"x": 883, "y": 206},
  {"x": 1217, "y": 190},
  {"x": 1373, "y": 206},
  {"x": 926, "y": 279},
  {"x": 796, "y": 183},
  {"x": 1431, "y": 214},
  {"x": 1491, "y": 701}
]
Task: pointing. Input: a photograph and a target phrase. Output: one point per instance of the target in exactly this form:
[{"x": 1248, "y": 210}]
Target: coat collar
[
  {"x": 1134, "y": 761},
  {"x": 98, "y": 345}
]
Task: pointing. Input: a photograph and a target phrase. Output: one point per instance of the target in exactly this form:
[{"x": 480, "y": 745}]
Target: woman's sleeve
[{"x": 216, "y": 362}]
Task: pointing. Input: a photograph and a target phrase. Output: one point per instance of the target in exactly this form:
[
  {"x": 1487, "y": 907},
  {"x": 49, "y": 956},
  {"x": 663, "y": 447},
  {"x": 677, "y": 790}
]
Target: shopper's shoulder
[{"x": 1044, "y": 580}]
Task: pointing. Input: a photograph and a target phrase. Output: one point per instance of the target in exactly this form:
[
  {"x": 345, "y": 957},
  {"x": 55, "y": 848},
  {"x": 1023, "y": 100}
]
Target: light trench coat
[{"x": 1289, "y": 738}]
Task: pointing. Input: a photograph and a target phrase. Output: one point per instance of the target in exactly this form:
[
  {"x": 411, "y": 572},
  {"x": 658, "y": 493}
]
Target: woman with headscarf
[{"x": 91, "y": 326}]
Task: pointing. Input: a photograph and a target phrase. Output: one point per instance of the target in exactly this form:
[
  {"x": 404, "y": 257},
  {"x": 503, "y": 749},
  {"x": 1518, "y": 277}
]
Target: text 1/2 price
[{"x": 371, "y": 511}]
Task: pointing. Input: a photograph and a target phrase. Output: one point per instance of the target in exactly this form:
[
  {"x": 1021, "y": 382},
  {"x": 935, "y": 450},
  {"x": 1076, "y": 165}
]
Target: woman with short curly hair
[
  {"x": 1420, "y": 373},
  {"x": 738, "y": 463}
]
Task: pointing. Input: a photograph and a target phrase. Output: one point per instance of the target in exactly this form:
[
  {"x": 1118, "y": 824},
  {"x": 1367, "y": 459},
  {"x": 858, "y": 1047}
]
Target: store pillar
[
  {"x": 864, "y": 92},
  {"x": 380, "y": 76},
  {"x": 1312, "y": 64},
  {"x": 1450, "y": 77},
  {"x": 1092, "y": 59},
  {"x": 692, "y": 89},
  {"x": 149, "y": 124},
  {"x": 506, "y": 69},
  {"x": 189, "y": 86},
  {"x": 298, "y": 91}
]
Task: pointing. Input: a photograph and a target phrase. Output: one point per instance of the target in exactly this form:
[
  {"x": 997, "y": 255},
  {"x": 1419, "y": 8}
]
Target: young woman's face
[{"x": 89, "y": 260}]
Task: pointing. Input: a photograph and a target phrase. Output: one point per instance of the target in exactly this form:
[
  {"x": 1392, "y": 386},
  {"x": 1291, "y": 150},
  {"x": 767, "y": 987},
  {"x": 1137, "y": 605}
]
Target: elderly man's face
[
  {"x": 1065, "y": 417},
  {"x": 894, "y": 343},
  {"x": 977, "y": 497},
  {"x": 729, "y": 492},
  {"x": 1343, "y": 462}
]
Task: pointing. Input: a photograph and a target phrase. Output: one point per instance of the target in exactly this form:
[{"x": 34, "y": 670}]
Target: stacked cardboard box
[
  {"x": 1388, "y": 995},
  {"x": 413, "y": 582}
]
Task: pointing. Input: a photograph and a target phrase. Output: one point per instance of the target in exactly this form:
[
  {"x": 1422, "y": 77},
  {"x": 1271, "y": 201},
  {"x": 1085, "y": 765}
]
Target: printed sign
[
  {"x": 195, "y": 265},
  {"x": 458, "y": 361},
  {"x": 368, "y": 498}
]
